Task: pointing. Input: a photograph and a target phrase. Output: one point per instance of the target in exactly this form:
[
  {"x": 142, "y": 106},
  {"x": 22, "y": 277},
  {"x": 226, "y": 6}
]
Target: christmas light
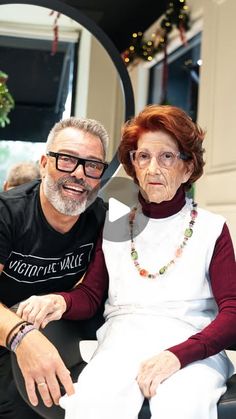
[{"x": 176, "y": 14}]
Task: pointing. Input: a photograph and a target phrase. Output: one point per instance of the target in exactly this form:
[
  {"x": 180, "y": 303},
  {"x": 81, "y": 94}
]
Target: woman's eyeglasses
[
  {"x": 66, "y": 163},
  {"x": 166, "y": 159}
]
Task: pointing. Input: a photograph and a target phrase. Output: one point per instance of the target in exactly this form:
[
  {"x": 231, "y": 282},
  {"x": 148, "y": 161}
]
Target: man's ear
[
  {"x": 5, "y": 186},
  {"x": 42, "y": 165}
]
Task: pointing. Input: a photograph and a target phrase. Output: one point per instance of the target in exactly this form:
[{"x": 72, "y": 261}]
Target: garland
[
  {"x": 6, "y": 100},
  {"x": 176, "y": 15}
]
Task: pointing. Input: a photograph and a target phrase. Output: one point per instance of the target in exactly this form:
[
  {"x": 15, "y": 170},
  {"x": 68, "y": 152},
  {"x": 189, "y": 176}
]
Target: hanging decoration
[
  {"x": 176, "y": 15},
  {"x": 6, "y": 100},
  {"x": 55, "y": 31}
]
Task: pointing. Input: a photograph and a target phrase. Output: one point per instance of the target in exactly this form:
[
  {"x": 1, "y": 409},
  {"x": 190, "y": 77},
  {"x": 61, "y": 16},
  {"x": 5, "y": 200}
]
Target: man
[
  {"x": 22, "y": 172},
  {"x": 48, "y": 233}
]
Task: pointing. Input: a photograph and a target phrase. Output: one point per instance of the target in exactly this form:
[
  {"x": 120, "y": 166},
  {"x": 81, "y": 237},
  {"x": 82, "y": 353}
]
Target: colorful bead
[
  {"x": 188, "y": 232},
  {"x": 132, "y": 215},
  {"x": 143, "y": 272},
  {"x": 178, "y": 252},
  {"x": 134, "y": 254},
  {"x": 194, "y": 214},
  {"x": 162, "y": 270}
]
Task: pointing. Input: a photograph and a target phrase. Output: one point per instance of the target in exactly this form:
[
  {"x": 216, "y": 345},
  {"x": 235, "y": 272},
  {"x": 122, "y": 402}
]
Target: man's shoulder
[
  {"x": 19, "y": 194},
  {"x": 98, "y": 209},
  {"x": 98, "y": 204},
  {"x": 101, "y": 204}
]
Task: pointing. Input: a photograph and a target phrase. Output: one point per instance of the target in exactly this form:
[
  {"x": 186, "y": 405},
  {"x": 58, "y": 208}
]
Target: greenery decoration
[
  {"x": 176, "y": 15},
  {"x": 6, "y": 100}
]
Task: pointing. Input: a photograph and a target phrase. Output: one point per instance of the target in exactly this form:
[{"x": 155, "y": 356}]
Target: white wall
[{"x": 99, "y": 94}]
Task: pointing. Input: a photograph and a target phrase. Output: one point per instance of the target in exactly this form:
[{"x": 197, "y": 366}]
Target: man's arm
[
  {"x": 38, "y": 360},
  {"x": 77, "y": 304}
]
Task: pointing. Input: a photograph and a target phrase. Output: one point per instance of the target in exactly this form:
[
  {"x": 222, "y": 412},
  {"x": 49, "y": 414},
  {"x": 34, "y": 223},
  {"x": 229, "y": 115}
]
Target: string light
[{"x": 176, "y": 15}]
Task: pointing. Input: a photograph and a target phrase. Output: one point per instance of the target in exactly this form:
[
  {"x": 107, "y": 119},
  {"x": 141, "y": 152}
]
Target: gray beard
[{"x": 67, "y": 206}]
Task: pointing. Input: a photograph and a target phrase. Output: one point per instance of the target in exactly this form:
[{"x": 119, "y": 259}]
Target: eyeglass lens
[
  {"x": 143, "y": 158},
  {"x": 69, "y": 164}
]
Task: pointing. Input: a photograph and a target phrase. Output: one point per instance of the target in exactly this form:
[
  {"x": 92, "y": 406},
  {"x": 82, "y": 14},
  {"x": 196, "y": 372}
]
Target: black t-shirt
[{"x": 38, "y": 259}]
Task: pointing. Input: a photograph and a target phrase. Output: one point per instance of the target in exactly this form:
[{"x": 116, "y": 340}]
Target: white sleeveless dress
[{"x": 145, "y": 317}]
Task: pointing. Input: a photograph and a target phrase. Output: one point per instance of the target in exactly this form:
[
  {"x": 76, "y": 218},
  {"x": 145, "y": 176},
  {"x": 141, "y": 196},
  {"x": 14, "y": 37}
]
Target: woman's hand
[
  {"x": 42, "y": 368},
  {"x": 155, "y": 370},
  {"x": 40, "y": 310}
]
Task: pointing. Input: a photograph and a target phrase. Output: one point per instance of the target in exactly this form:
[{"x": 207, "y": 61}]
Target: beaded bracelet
[
  {"x": 20, "y": 335},
  {"x": 12, "y": 330}
]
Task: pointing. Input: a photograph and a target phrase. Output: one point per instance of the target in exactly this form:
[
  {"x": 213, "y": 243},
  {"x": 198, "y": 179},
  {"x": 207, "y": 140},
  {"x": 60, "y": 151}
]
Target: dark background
[{"x": 119, "y": 19}]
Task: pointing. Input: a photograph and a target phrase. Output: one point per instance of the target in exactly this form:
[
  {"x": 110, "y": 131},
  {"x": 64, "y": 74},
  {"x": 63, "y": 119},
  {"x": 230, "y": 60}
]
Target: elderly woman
[{"x": 171, "y": 309}]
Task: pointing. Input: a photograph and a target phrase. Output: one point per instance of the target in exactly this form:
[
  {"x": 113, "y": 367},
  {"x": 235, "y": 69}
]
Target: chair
[{"x": 66, "y": 335}]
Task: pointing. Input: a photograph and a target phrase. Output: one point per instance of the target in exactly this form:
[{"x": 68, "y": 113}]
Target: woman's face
[{"x": 159, "y": 170}]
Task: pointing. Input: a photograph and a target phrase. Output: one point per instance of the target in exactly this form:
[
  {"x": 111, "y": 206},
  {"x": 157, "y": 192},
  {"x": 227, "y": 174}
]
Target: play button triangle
[{"x": 117, "y": 209}]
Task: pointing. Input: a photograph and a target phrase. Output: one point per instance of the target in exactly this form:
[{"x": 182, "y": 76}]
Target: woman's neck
[{"x": 166, "y": 208}]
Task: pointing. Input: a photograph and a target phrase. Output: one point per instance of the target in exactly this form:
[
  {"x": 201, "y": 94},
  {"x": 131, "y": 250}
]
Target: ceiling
[{"x": 119, "y": 19}]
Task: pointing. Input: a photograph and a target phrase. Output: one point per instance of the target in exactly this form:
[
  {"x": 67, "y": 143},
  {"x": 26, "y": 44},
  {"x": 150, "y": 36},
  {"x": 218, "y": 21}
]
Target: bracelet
[
  {"x": 12, "y": 330},
  {"x": 20, "y": 335},
  {"x": 15, "y": 334}
]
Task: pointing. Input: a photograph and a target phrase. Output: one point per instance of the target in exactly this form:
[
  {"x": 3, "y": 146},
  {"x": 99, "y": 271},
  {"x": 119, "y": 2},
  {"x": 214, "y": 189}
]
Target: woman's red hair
[{"x": 172, "y": 120}]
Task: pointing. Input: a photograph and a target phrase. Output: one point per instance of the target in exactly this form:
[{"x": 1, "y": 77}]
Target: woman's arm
[
  {"x": 83, "y": 301},
  {"x": 221, "y": 332}
]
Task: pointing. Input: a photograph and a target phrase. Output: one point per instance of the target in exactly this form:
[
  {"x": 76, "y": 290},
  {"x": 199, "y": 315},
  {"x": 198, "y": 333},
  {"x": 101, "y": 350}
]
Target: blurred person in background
[{"x": 20, "y": 173}]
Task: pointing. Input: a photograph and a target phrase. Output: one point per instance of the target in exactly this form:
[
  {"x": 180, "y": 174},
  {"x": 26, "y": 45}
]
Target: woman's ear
[{"x": 189, "y": 168}]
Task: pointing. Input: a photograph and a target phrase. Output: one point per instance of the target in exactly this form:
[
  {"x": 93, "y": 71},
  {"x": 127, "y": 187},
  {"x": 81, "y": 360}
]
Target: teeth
[{"x": 74, "y": 188}]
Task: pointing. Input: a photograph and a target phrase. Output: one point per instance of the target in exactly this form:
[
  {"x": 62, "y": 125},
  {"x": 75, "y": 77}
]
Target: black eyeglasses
[{"x": 67, "y": 163}]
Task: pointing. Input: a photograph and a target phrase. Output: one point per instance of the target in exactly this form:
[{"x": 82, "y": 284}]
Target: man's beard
[{"x": 65, "y": 205}]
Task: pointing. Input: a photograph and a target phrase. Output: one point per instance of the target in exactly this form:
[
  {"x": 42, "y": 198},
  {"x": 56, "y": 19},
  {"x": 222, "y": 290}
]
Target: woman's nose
[{"x": 154, "y": 166}]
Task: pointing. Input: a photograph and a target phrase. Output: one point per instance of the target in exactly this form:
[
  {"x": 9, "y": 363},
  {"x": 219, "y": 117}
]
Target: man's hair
[
  {"x": 87, "y": 125},
  {"x": 22, "y": 172}
]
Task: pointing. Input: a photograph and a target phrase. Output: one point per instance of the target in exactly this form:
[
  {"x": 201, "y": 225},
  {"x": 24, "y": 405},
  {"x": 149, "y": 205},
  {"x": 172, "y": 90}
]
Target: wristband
[
  {"x": 20, "y": 335},
  {"x": 12, "y": 330}
]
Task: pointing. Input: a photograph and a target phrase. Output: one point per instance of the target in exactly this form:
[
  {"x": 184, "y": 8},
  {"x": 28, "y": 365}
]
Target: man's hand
[
  {"x": 155, "y": 370},
  {"x": 42, "y": 367},
  {"x": 40, "y": 310}
]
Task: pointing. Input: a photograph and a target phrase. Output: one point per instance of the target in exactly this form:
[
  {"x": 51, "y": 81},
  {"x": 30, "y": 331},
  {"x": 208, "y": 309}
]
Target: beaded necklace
[{"x": 187, "y": 234}]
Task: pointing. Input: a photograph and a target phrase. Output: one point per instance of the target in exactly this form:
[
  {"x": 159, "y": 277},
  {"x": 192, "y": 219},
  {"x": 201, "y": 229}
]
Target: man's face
[{"x": 71, "y": 193}]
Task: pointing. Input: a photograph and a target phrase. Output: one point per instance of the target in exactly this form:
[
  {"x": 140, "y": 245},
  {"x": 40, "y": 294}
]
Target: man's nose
[{"x": 79, "y": 172}]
